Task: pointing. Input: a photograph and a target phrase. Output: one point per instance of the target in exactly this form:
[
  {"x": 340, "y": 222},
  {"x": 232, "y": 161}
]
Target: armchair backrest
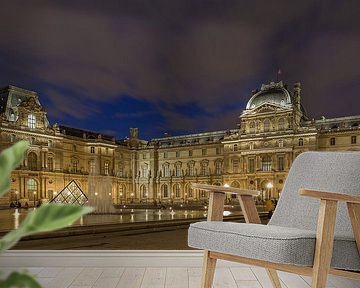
[{"x": 325, "y": 171}]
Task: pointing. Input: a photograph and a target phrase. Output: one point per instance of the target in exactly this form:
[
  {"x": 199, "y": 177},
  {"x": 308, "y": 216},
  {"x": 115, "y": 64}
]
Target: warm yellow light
[
  {"x": 269, "y": 185},
  {"x": 226, "y": 185},
  {"x": 96, "y": 193}
]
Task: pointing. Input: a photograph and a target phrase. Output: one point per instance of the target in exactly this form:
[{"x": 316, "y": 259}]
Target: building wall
[{"x": 261, "y": 151}]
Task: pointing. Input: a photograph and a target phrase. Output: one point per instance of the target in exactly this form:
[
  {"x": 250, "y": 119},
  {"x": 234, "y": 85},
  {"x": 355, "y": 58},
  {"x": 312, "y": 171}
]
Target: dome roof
[{"x": 274, "y": 93}]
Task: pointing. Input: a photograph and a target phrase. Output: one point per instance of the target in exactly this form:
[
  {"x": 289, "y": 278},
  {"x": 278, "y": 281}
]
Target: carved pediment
[{"x": 31, "y": 104}]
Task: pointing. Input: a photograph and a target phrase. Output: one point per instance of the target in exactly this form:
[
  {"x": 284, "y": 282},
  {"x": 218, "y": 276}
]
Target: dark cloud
[{"x": 171, "y": 53}]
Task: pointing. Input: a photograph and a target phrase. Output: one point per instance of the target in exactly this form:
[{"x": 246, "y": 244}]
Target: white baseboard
[{"x": 105, "y": 258}]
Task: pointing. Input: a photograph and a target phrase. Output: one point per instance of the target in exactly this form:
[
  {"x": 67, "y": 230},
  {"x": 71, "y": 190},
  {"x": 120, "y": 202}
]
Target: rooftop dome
[{"x": 274, "y": 93}]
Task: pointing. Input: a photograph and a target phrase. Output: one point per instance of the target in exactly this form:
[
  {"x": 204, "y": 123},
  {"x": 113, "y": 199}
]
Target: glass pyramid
[{"x": 71, "y": 194}]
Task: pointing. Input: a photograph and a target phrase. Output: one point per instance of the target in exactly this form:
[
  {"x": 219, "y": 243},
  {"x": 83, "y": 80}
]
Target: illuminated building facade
[{"x": 273, "y": 130}]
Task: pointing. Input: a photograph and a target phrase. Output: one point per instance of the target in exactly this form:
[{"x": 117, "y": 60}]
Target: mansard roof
[{"x": 84, "y": 134}]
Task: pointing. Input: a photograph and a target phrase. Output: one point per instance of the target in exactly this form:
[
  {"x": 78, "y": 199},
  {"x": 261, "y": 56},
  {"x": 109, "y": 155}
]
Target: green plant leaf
[
  {"x": 48, "y": 217},
  {"x": 20, "y": 280},
  {"x": 10, "y": 158}
]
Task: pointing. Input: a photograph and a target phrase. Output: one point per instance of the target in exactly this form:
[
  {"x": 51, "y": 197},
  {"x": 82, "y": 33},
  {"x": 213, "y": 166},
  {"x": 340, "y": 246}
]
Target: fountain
[{"x": 99, "y": 194}]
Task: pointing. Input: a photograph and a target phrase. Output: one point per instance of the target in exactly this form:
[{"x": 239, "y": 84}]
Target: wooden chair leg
[
  {"x": 274, "y": 278},
  {"x": 208, "y": 270},
  {"x": 324, "y": 243}
]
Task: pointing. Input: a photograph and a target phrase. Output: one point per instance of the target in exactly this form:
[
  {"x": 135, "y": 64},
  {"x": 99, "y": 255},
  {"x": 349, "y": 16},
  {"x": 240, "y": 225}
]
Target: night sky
[{"x": 178, "y": 66}]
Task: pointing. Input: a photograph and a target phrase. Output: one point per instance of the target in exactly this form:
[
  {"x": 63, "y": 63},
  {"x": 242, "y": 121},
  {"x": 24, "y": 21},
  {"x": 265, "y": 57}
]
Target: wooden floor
[{"x": 169, "y": 272}]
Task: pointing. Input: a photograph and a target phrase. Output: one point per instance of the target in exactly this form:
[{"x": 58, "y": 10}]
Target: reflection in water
[
  {"x": 11, "y": 218},
  {"x": 16, "y": 219}
]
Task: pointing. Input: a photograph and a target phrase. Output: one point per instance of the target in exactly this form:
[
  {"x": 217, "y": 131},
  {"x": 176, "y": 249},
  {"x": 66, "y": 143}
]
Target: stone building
[{"x": 273, "y": 130}]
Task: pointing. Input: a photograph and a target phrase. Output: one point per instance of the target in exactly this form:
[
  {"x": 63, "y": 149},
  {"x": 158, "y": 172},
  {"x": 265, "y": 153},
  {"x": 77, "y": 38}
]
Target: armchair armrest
[
  {"x": 330, "y": 196},
  {"x": 217, "y": 197},
  {"x": 222, "y": 189}
]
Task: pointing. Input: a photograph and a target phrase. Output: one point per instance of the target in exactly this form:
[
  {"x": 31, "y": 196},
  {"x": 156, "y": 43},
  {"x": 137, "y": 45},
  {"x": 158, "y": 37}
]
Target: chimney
[{"x": 297, "y": 98}]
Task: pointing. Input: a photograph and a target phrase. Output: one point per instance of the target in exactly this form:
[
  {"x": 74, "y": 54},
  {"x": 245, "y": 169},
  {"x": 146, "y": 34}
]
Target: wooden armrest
[
  {"x": 330, "y": 196},
  {"x": 222, "y": 189}
]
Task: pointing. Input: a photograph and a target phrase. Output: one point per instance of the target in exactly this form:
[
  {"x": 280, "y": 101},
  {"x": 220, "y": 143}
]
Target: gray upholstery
[{"x": 290, "y": 235}]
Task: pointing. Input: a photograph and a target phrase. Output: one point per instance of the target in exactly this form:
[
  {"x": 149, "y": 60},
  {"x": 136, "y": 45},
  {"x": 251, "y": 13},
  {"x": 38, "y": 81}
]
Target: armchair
[{"x": 312, "y": 232}]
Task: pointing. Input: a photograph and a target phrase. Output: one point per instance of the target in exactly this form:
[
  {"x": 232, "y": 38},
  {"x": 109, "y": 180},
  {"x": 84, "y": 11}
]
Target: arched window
[
  {"x": 235, "y": 147},
  {"x": 266, "y": 163},
  {"x": 281, "y": 124},
  {"x": 301, "y": 142},
  {"x": 32, "y": 161},
  {"x": 165, "y": 191},
  {"x": 266, "y": 125},
  {"x": 31, "y": 121}
]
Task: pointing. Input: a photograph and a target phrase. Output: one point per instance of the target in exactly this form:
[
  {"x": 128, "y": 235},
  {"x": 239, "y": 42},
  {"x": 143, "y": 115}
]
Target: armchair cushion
[{"x": 270, "y": 243}]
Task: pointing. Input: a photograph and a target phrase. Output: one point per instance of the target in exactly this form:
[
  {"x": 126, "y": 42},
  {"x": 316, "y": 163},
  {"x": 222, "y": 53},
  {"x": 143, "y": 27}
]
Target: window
[
  {"x": 235, "y": 165},
  {"x": 50, "y": 143},
  {"x": 50, "y": 163},
  {"x": 107, "y": 151},
  {"x": 281, "y": 124},
  {"x": 252, "y": 127},
  {"x": 92, "y": 167},
  {"x": 165, "y": 191},
  {"x": 332, "y": 141},
  {"x": 92, "y": 149},
  {"x": 266, "y": 163},
  {"x": 177, "y": 153},
  {"x": 251, "y": 165},
  {"x": 353, "y": 139},
  {"x": 218, "y": 167},
  {"x": 203, "y": 168},
  {"x": 202, "y": 194},
  {"x": 74, "y": 148},
  {"x": 106, "y": 168},
  {"x": 143, "y": 191},
  {"x": 266, "y": 125},
  {"x": 301, "y": 142},
  {"x": 32, "y": 161},
  {"x": 191, "y": 169},
  {"x": 120, "y": 170},
  {"x": 235, "y": 147},
  {"x": 281, "y": 163},
  {"x": 218, "y": 150},
  {"x": 165, "y": 155},
  {"x": 190, "y": 153},
  {"x": 12, "y": 138},
  {"x": 203, "y": 152},
  {"x": 251, "y": 146},
  {"x": 177, "y": 190},
  {"x": 144, "y": 171},
  {"x": 178, "y": 169},
  {"x": 74, "y": 165},
  {"x": 166, "y": 170},
  {"x": 32, "y": 185},
  {"x": 31, "y": 121},
  {"x": 281, "y": 143}
]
